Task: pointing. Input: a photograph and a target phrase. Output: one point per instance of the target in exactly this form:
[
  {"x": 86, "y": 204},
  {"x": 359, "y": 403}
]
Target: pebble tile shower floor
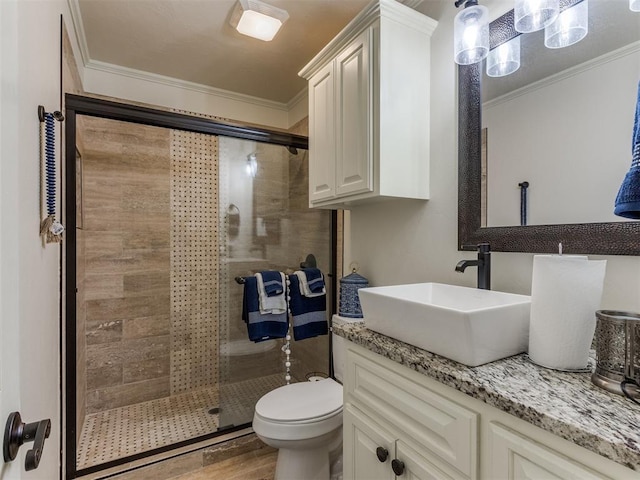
[{"x": 125, "y": 431}]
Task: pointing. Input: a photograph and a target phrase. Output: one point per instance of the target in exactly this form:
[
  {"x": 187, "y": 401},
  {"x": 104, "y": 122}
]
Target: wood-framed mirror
[{"x": 597, "y": 237}]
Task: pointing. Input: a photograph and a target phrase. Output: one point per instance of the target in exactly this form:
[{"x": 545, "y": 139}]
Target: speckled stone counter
[{"x": 565, "y": 404}]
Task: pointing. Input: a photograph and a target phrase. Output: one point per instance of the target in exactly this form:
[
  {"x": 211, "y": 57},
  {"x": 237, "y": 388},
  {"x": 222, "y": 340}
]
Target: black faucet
[{"x": 483, "y": 263}]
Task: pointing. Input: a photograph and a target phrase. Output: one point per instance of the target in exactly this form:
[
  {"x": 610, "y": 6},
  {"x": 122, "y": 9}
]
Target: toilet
[{"x": 304, "y": 422}]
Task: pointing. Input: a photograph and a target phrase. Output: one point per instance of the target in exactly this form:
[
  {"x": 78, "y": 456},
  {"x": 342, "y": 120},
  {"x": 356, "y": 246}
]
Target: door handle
[{"x": 17, "y": 433}]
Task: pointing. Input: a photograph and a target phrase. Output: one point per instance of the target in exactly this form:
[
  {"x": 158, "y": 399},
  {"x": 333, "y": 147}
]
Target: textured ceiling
[{"x": 192, "y": 40}]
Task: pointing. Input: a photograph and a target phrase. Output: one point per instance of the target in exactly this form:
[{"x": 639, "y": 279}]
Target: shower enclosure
[{"x": 168, "y": 210}]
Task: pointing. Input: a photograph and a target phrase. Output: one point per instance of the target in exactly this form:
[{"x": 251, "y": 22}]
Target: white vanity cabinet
[
  {"x": 437, "y": 432},
  {"x": 369, "y": 109},
  {"x": 431, "y": 436}
]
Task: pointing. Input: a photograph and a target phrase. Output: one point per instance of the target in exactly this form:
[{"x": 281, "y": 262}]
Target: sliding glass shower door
[{"x": 165, "y": 221}]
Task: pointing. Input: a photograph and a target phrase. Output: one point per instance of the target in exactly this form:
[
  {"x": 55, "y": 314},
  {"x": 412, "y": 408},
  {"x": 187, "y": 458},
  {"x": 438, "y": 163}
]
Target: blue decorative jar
[{"x": 349, "y": 300}]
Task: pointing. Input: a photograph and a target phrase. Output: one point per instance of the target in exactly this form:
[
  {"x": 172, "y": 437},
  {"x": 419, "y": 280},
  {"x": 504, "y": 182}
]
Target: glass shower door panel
[
  {"x": 147, "y": 260},
  {"x": 265, "y": 225}
]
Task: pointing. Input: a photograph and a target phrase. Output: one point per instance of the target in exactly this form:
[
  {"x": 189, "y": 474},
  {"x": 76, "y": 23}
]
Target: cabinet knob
[
  {"x": 382, "y": 454},
  {"x": 397, "y": 466}
]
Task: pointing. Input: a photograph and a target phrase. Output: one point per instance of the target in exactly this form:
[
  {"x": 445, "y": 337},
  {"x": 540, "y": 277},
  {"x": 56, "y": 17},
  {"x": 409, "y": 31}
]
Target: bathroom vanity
[{"x": 411, "y": 413}]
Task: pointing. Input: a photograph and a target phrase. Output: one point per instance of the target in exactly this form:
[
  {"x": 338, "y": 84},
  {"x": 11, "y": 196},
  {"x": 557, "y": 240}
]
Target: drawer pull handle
[
  {"x": 397, "y": 466},
  {"x": 382, "y": 454}
]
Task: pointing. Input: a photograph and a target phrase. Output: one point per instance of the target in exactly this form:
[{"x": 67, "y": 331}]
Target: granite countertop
[{"x": 565, "y": 404}]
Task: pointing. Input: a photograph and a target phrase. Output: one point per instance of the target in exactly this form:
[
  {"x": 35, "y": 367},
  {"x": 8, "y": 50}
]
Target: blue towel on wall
[
  {"x": 315, "y": 279},
  {"x": 272, "y": 280},
  {"x": 261, "y": 326},
  {"x": 309, "y": 314},
  {"x": 628, "y": 199}
]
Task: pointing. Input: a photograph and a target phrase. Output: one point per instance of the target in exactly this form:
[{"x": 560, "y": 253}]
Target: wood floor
[
  {"x": 256, "y": 465},
  {"x": 242, "y": 458}
]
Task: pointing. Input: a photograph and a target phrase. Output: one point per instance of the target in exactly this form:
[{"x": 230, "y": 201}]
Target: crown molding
[
  {"x": 301, "y": 96},
  {"x": 570, "y": 72},
  {"x": 411, "y": 3},
  {"x": 183, "y": 84},
  {"x": 96, "y": 65},
  {"x": 377, "y": 9},
  {"x": 78, "y": 27}
]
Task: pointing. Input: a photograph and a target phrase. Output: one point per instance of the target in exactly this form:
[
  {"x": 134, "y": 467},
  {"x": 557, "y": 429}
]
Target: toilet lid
[{"x": 301, "y": 401}]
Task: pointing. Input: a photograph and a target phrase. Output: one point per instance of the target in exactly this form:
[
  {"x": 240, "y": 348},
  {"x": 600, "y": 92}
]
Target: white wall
[
  {"x": 29, "y": 288},
  {"x": 411, "y": 241},
  {"x": 561, "y": 123}
]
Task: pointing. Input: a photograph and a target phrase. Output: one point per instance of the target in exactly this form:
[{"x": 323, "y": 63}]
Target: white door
[{"x": 29, "y": 272}]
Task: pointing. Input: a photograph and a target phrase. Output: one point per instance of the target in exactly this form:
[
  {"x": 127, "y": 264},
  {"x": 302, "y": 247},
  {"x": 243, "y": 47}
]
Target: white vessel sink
[{"x": 468, "y": 325}]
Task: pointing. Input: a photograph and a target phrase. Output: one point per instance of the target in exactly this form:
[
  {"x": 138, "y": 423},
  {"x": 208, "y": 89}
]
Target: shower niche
[{"x": 172, "y": 210}]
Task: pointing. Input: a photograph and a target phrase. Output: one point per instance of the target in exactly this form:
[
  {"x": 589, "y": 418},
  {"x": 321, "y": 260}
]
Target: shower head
[{"x": 292, "y": 150}]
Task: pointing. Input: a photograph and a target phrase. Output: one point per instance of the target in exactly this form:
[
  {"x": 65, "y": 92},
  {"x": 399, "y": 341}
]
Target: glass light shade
[
  {"x": 257, "y": 19},
  {"x": 259, "y": 26},
  {"x": 504, "y": 59},
  {"x": 634, "y": 5},
  {"x": 571, "y": 26},
  {"x": 471, "y": 35},
  {"x": 534, "y": 15}
]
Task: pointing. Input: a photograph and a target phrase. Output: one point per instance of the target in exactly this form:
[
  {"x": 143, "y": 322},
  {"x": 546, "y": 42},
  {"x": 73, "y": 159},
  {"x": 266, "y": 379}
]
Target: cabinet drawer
[
  {"x": 380, "y": 388},
  {"x": 512, "y": 456}
]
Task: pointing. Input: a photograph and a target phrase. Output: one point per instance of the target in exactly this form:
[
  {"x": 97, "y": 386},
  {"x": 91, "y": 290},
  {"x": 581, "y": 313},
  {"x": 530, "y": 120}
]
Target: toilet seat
[
  {"x": 299, "y": 411},
  {"x": 301, "y": 401}
]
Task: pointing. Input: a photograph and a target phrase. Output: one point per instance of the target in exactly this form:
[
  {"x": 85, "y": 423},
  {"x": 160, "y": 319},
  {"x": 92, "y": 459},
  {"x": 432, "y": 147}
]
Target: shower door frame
[{"x": 81, "y": 105}]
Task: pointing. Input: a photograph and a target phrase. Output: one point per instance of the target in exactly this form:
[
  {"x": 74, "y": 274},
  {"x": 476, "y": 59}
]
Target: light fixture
[
  {"x": 258, "y": 19},
  {"x": 534, "y": 15},
  {"x": 634, "y": 5},
  {"x": 571, "y": 26},
  {"x": 504, "y": 59},
  {"x": 471, "y": 32},
  {"x": 252, "y": 165}
]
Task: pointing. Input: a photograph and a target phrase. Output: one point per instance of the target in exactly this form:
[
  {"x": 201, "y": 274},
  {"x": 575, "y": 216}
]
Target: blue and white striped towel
[
  {"x": 309, "y": 314},
  {"x": 274, "y": 303},
  {"x": 311, "y": 282},
  {"x": 273, "y": 281},
  {"x": 261, "y": 326}
]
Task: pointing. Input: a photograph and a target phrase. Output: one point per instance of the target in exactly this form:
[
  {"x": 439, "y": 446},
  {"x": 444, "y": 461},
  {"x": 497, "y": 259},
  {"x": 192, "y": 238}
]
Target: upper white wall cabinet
[{"x": 369, "y": 93}]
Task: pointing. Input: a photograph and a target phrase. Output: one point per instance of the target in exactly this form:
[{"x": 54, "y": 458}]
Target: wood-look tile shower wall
[{"x": 150, "y": 262}]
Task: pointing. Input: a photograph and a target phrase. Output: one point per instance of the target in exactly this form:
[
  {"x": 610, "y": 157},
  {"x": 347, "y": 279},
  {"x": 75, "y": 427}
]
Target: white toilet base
[{"x": 310, "y": 464}]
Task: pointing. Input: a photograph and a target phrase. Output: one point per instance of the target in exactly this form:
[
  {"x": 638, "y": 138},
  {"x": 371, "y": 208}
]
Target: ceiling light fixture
[
  {"x": 471, "y": 32},
  {"x": 258, "y": 19},
  {"x": 634, "y": 5}
]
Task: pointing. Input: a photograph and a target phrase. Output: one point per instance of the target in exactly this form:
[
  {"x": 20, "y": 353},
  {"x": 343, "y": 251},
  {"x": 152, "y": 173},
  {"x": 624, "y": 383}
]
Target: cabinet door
[
  {"x": 354, "y": 121},
  {"x": 515, "y": 457},
  {"x": 362, "y": 438},
  {"x": 417, "y": 467},
  {"x": 322, "y": 154}
]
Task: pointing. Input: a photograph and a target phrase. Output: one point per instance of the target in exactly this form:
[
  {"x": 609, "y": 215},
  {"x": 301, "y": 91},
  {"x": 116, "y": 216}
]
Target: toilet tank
[
  {"x": 339, "y": 357},
  {"x": 340, "y": 348}
]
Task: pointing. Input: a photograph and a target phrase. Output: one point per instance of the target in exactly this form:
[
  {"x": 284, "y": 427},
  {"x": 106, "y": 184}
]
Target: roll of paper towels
[{"x": 566, "y": 291}]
